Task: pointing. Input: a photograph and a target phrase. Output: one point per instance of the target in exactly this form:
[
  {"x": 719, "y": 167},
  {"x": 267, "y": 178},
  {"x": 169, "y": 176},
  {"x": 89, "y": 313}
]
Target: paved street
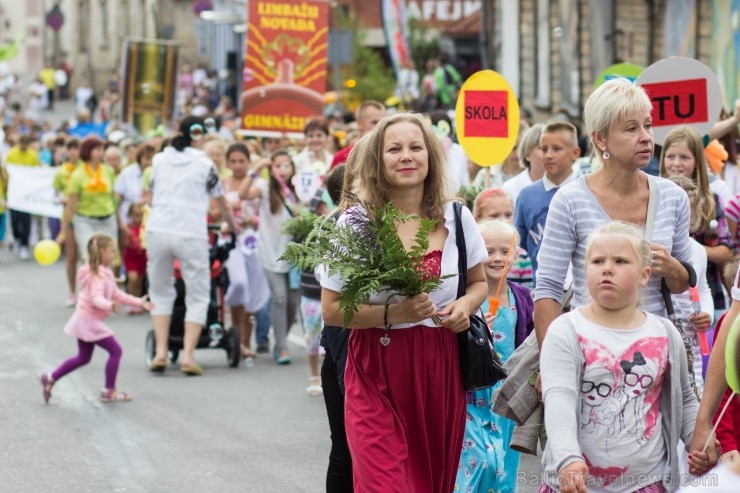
[{"x": 232, "y": 430}]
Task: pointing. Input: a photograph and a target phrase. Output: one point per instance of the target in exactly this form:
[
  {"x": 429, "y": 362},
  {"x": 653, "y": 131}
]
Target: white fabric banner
[{"x": 30, "y": 190}]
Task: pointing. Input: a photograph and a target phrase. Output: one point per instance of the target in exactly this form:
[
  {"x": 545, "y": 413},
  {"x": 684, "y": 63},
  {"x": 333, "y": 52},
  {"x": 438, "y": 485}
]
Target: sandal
[
  {"x": 113, "y": 395},
  {"x": 158, "y": 365},
  {"x": 315, "y": 386},
  {"x": 247, "y": 352},
  {"x": 46, "y": 384},
  {"x": 193, "y": 370}
]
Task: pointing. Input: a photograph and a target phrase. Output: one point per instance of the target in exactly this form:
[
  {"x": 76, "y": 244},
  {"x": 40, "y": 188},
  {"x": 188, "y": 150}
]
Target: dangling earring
[{"x": 605, "y": 154}]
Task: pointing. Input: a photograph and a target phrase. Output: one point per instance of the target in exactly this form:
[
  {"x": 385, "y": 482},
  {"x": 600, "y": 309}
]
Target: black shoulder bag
[{"x": 479, "y": 362}]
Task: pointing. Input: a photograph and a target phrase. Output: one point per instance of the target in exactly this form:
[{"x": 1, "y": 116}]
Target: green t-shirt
[
  {"x": 146, "y": 177},
  {"x": 93, "y": 201},
  {"x": 61, "y": 179}
]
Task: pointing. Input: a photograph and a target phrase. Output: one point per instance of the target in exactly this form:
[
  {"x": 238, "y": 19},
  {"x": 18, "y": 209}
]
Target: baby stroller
[{"x": 214, "y": 335}]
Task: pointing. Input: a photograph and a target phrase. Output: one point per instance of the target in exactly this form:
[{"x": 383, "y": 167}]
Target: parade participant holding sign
[
  {"x": 405, "y": 400},
  {"x": 559, "y": 147},
  {"x": 22, "y": 154},
  {"x": 277, "y": 205}
]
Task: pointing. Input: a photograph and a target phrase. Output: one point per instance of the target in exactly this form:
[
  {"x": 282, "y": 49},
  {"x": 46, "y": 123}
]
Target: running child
[
  {"x": 487, "y": 463},
  {"x": 99, "y": 297},
  {"x": 615, "y": 382}
]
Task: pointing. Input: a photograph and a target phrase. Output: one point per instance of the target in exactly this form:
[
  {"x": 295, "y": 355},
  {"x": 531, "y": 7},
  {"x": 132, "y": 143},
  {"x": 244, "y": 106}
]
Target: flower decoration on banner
[{"x": 285, "y": 47}]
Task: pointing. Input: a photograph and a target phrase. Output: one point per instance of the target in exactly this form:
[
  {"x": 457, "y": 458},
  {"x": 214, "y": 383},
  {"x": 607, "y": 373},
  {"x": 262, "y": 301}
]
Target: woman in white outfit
[{"x": 182, "y": 183}]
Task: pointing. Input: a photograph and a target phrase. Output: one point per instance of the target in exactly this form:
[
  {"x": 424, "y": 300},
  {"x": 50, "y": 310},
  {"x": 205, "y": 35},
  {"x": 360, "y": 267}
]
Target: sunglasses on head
[{"x": 197, "y": 131}]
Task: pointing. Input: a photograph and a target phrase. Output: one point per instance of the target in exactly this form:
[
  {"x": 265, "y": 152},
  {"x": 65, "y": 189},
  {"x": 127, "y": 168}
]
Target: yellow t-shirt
[
  {"x": 3, "y": 186},
  {"x": 94, "y": 197},
  {"x": 47, "y": 77},
  {"x": 29, "y": 157}
]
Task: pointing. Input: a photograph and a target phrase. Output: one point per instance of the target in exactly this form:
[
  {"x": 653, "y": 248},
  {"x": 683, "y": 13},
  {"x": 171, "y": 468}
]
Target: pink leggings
[{"x": 84, "y": 355}]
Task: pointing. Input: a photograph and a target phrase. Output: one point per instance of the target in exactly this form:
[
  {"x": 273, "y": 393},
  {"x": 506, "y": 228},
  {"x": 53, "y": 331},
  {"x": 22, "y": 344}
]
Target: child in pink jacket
[{"x": 99, "y": 297}]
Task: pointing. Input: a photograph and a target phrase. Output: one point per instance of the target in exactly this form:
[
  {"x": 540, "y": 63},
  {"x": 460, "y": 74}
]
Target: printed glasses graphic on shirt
[
  {"x": 632, "y": 379},
  {"x": 602, "y": 389}
]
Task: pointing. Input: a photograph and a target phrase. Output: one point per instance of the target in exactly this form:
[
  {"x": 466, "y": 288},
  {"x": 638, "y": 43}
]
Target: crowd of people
[{"x": 582, "y": 249}]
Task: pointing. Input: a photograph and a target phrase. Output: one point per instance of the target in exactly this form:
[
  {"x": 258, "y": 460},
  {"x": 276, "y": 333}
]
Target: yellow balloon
[
  {"x": 732, "y": 372},
  {"x": 46, "y": 252}
]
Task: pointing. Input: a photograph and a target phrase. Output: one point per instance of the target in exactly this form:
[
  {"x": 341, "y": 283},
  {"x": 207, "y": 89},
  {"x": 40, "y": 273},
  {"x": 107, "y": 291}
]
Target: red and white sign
[{"x": 683, "y": 91}]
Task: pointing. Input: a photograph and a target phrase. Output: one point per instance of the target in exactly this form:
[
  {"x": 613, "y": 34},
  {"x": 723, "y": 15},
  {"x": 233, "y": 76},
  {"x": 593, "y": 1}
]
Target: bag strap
[
  {"x": 462, "y": 259},
  {"x": 652, "y": 200}
]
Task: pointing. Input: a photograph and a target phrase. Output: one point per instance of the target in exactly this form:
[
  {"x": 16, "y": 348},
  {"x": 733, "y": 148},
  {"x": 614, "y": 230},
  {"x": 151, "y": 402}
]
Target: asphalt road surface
[{"x": 231, "y": 430}]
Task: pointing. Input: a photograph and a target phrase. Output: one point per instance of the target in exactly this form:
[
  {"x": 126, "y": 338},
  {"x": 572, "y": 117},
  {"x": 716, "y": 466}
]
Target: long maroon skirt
[{"x": 404, "y": 410}]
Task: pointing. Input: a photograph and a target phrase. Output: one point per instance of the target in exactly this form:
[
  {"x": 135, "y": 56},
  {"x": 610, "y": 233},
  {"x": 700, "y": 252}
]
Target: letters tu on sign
[{"x": 678, "y": 102}]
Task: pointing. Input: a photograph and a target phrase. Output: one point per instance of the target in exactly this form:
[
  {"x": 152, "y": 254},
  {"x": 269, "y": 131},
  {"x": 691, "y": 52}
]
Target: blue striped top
[{"x": 575, "y": 213}]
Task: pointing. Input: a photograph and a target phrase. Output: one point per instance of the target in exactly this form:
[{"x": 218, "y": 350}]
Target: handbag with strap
[
  {"x": 666, "y": 292},
  {"x": 480, "y": 364}
]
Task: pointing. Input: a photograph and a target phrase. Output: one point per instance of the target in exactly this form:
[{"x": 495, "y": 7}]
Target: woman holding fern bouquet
[{"x": 405, "y": 401}]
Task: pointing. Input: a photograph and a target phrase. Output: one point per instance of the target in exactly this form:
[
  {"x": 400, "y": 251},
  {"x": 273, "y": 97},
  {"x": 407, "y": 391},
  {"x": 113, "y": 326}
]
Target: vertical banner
[
  {"x": 726, "y": 48},
  {"x": 149, "y": 79},
  {"x": 284, "y": 76},
  {"x": 396, "y": 28}
]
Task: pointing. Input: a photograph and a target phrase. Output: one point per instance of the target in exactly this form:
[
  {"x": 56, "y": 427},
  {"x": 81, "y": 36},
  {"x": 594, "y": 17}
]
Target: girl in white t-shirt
[
  {"x": 615, "y": 382},
  {"x": 277, "y": 203}
]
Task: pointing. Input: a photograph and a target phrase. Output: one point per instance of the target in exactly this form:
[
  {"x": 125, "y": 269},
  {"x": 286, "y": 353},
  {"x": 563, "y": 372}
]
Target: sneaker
[
  {"x": 23, "y": 253},
  {"x": 263, "y": 349},
  {"x": 71, "y": 300}
]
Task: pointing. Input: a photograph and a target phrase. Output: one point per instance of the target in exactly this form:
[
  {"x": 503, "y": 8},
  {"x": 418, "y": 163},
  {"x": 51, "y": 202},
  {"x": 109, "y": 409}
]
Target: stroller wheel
[
  {"x": 174, "y": 353},
  {"x": 233, "y": 349},
  {"x": 149, "y": 348}
]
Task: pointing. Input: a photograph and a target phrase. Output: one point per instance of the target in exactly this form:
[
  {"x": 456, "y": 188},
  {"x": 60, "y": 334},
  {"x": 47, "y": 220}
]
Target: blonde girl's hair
[
  {"x": 530, "y": 141},
  {"x": 482, "y": 198},
  {"x": 97, "y": 243},
  {"x": 351, "y": 167},
  {"x": 615, "y": 100},
  {"x": 372, "y": 185},
  {"x": 621, "y": 229},
  {"x": 705, "y": 206},
  {"x": 692, "y": 191},
  {"x": 497, "y": 227}
]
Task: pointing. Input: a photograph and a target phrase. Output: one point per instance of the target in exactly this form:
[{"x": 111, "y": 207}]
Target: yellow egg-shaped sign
[
  {"x": 732, "y": 371},
  {"x": 487, "y": 118}
]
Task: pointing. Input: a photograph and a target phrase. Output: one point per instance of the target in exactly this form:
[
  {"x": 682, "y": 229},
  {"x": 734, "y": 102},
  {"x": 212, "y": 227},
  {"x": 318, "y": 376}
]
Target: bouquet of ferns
[
  {"x": 366, "y": 251},
  {"x": 300, "y": 226}
]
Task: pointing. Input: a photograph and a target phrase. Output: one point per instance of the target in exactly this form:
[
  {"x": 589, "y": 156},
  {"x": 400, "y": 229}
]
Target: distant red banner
[{"x": 284, "y": 76}]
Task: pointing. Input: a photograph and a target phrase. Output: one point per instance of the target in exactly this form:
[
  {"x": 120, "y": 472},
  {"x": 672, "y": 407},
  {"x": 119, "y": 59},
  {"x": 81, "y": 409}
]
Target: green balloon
[{"x": 732, "y": 372}]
